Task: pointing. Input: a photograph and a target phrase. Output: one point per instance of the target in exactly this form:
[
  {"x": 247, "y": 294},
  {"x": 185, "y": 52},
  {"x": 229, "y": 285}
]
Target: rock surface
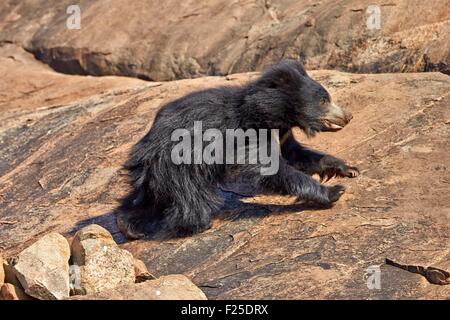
[
  {"x": 102, "y": 264},
  {"x": 43, "y": 268},
  {"x": 11, "y": 292},
  {"x": 172, "y": 287},
  {"x": 60, "y": 170},
  {"x": 166, "y": 41}
]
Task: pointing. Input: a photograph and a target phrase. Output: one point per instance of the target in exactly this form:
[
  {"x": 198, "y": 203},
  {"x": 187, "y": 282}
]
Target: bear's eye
[{"x": 323, "y": 102}]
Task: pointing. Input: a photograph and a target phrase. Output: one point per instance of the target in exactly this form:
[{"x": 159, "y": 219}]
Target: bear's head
[{"x": 306, "y": 103}]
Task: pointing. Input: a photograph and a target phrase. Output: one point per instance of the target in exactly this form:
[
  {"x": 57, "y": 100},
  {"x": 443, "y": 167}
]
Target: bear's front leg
[
  {"x": 314, "y": 162},
  {"x": 290, "y": 181}
]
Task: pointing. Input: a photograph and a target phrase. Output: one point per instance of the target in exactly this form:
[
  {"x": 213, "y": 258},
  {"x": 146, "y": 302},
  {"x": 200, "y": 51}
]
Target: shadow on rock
[{"x": 233, "y": 211}]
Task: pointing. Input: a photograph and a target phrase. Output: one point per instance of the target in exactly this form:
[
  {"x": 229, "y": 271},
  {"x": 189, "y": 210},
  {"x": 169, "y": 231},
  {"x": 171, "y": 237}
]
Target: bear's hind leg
[
  {"x": 194, "y": 200},
  {"x": 191, "y": 212}
]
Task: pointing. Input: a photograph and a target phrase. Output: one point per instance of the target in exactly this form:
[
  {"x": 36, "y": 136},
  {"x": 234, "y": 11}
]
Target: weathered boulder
[
  {"x": 10, "y": 276},
  {"x": 172, "y": 287},
  {"x": 141, "y": 272},
  {"x": 11, "y": 292},
  {"x": 101, "y": 263},
  {"x": 2, "y": 271},
  {"x": 43, "y": 268}
]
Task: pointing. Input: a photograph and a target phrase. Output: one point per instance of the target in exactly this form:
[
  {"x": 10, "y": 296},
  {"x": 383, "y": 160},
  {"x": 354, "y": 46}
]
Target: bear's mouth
[
  {"x": 335, "y": 118},
  {"x": 330, "y": 126}
]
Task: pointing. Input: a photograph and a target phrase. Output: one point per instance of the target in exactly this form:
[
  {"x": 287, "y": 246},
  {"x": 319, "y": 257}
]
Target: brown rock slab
[
  {"x": 102, "y": 264},
  {"x": 43, "y": 268},
  {"x": 141, "y": 272},
  {"x": 171, "y": 287},
  {"x": 11, "y": 292},
  {"x": 260, "y": 246}
]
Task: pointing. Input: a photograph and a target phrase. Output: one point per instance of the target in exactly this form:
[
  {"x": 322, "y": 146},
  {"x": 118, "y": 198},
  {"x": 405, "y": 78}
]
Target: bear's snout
[{"x": 336, "y": 118}]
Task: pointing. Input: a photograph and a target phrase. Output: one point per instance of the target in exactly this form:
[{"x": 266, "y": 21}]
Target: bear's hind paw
[{"x": 128, "y": 228}]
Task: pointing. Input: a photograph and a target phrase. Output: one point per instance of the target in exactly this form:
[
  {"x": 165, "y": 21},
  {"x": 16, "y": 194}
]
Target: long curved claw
[
  {"x": 322, "y": 176},
  {"x": 346, "y": 171},
  {"x": 326, "y": 175},
  {"x": 332, "y": 175},
  {"x": 352, "y": 172}
]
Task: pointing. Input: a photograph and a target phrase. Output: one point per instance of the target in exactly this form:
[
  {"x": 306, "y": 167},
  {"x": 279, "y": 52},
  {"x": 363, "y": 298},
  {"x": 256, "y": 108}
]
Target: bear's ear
[{"x": 281, "y": 75}]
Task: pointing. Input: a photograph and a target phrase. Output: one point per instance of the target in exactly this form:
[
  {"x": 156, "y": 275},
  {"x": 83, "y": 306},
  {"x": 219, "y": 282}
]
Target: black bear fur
[{"x": 181, "y": 198}]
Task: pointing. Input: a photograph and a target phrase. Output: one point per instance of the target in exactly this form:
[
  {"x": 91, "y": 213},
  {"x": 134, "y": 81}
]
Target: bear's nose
[{"x": 349, "y": 116}]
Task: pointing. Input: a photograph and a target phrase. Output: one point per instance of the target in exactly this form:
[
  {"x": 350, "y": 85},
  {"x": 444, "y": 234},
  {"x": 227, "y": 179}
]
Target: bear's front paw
[
  {"x": 327, "y": 196},
  {"x": 349, "y": 172},
  {"x": 333, "y": 167},
  {"x": 335, "y": 192}
]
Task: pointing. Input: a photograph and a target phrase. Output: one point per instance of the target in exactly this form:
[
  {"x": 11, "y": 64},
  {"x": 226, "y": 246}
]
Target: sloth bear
[{"x": 180, "y": 198}]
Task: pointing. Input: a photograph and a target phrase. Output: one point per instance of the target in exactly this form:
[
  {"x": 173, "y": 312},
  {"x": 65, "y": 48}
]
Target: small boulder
[
  {"x": 98, "y": 263},
  {"x": 10, "y": 276},
  {"x": 43, "y": 268},
  {"x": 141, "y": 271},
  {"x": 11, "y": 292},
  {"x": 171, "y": 287}
]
